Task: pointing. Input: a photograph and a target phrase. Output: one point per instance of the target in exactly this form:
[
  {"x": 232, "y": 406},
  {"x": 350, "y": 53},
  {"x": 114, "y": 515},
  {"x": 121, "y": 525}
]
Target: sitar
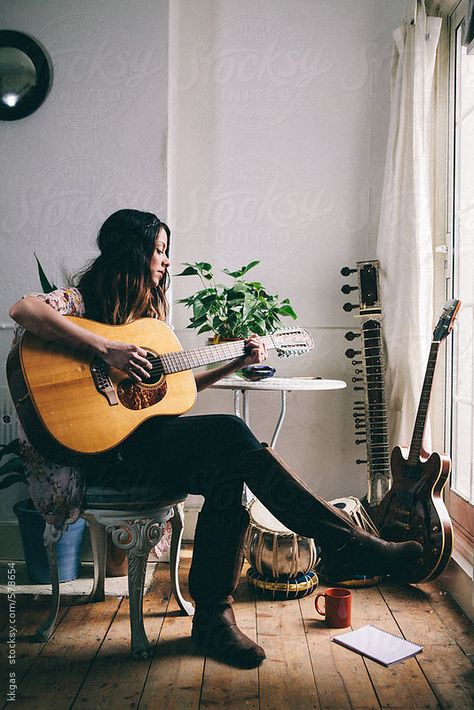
[
  {"x": 414, "y": 509},
  {"x": 370, "y": 412},
  {"x": 69, "y": 402}
]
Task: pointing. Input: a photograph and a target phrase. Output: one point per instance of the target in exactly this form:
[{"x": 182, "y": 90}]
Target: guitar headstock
[
  {"x": 367, "y": 286},
  {"x": 446, "y": 319},
  {"x": 292, "y": 341}
]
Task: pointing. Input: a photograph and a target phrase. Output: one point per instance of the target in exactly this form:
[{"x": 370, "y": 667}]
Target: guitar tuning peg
[
  {"x": 350, "y": 335},
  {"x": 359, "y": 372},
  {"x": 359, "y": 461},
  {"x": 357, "y": 379},
  {"x": 360, "y": 441},
  {"x": 355, "y": 362},
  {"x": 359, "y": 401},
  {"x": 360, "y": 426},
  {"x": 350, "y": 352},
  {"x": 358, "y": 389},
  {"x": 347, "y": 289},
  {"x": 350, "y": 306},
  {"x": 346, "y": 271}
]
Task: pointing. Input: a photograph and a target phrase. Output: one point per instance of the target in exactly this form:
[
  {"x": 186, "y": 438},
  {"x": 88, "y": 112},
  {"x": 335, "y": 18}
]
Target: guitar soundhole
[
  {"x": 137, "y": 395},
  {"x": 156, "y": 373}
]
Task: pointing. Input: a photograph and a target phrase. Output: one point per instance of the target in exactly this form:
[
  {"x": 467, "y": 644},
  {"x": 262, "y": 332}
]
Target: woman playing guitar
[{"x": 210, "y": 455}]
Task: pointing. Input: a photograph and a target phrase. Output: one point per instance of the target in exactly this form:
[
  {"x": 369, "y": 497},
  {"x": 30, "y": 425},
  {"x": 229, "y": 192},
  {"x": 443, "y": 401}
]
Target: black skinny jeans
[
  {"x": 208, "y": 455},
  {"x": 166, "y": 455}
]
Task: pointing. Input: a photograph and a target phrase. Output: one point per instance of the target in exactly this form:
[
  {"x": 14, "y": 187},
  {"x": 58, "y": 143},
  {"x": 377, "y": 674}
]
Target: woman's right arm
[{"x": 40, "y": 318}]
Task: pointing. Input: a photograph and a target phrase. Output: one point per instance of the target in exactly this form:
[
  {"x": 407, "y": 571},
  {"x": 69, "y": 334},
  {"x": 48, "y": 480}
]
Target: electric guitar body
[{"x": 413, "y": 509}]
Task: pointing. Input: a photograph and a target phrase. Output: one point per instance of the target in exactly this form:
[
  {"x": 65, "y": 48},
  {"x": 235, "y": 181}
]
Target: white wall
[
  {"x": 278, "y": 118},
  {"x": 97, "y": 144},
  {"x": 278, "y": 123}
]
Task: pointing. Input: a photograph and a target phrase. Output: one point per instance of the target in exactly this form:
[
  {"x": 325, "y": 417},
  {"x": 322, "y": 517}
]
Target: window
[{"x": 461, "y": 496}]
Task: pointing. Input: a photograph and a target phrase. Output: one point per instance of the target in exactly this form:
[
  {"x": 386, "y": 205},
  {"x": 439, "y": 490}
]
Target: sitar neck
[
  {"x": 190, "y": 359},
  {"x": 420, "y": 422}
]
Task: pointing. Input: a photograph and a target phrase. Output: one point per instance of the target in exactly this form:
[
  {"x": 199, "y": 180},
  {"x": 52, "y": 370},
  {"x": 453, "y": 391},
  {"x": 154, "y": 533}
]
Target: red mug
[{"x": 337, "y": 607}]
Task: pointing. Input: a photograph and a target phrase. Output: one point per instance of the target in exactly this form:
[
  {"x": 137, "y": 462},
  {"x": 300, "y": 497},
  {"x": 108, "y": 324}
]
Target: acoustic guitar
[
  {"x": 413, "y": 509},
  {"x": 67, "y": 401}
]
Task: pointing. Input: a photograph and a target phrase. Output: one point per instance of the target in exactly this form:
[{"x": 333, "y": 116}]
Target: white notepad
[{"x": 378, "y": 645}]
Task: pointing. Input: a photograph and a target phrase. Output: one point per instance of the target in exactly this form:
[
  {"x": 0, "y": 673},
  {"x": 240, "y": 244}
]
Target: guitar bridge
[{"x": 102, "y": 381}]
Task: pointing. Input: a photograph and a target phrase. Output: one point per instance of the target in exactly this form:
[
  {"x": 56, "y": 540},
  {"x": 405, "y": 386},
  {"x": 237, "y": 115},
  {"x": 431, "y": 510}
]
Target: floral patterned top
[{"x": 58, "y": 490}]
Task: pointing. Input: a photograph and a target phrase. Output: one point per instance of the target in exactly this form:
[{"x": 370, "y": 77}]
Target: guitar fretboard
[
  {"x": 420, "y": 422},
  {"x": 168, "y": 363},
  {"x": 376, "y": 412}
]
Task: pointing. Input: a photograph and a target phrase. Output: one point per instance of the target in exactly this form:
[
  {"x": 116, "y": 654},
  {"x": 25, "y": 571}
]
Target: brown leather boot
[
  {"x": 216, "y": 632},
  {"x": 214, "y": 575},
  {"x": 345, "y": 546}
]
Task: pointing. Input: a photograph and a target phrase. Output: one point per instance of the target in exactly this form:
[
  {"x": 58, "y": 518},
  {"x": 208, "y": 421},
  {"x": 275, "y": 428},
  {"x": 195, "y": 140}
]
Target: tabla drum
[
  {"x": 272, "y": 549},
  {"x": 282, "y": 588},
  {"x": 356, "y": 510}
]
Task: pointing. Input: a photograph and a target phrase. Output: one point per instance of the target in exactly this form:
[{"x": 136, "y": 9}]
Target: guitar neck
[
  {"x": 190, "y": 359},
  {"x": 378, "y": 453},
  {"x": 420, "y": 422}
]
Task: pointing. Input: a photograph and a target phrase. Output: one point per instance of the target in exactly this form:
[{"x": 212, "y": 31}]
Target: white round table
[{"x": 241, "y": 387}]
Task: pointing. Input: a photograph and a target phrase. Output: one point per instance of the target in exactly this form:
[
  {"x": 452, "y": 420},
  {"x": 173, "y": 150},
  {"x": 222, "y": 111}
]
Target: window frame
[{"x": 460, "y": 510}]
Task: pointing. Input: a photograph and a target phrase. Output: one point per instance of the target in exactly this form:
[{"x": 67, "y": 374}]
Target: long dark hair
[{"x": 117, "y": 286}]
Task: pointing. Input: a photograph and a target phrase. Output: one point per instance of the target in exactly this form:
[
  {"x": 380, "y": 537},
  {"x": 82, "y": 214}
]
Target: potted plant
[
  {"x": 233, "y": 311},
  {"x": 31, "y": 521},
  {"x": 32, "y": 524}
]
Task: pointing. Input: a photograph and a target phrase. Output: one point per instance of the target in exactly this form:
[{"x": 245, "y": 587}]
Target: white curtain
[{"x": 405, "y": 236}]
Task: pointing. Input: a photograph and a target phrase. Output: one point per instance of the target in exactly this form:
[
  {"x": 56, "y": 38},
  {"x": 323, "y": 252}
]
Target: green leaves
[
  {"x": 46, "y": 285},
  {"x": 199, "y": 268},
  {"x": 233, "y": 311},
  {"x": 243, "y": 270},
  {"x": 12, "y": 471}
]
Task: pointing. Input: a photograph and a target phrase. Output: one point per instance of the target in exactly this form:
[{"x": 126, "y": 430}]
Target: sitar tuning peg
[
  {"x": 350, "y": 306},
  {"x": 350, "y": 335},
  {"x": 359, "y": 461},
  {"x": 350, "y": 352},
  {"x": 357, "y": 379},
  {"x": 347, "y": 289},
  {"x": 355, "y": 362},
  {"x": 346, "y": 271},
  {"x": 358, "y": 389},
  {"x": 360, "y": 441}
]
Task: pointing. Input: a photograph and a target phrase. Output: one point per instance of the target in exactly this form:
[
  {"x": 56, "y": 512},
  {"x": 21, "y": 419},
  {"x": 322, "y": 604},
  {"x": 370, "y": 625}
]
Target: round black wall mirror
[{"x": 25, "y": 75}]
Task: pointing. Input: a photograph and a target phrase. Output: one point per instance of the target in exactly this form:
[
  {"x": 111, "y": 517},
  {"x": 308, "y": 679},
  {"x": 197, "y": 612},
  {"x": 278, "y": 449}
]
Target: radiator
[{"x": 8, "y": 418}]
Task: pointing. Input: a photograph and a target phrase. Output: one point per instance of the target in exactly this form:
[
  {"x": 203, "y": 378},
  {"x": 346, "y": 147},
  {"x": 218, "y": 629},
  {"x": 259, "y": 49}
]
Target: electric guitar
[
  {"x": 68, "y": 401},
  {"x": 413, "y": 509}
]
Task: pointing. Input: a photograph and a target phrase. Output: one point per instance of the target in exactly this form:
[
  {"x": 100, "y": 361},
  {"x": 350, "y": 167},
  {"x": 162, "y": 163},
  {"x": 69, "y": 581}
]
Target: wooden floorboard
[
  {"x": 342, "y": 679},
  {"x": 233, "y": 688},
  {"x": 86, "y": 664}
]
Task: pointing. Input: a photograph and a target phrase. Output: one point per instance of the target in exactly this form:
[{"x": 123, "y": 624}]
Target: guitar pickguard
[{"x": 135, "y": 395}]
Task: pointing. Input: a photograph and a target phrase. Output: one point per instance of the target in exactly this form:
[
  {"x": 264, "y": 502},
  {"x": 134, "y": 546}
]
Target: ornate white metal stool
[{"x": 136, "y": 525}]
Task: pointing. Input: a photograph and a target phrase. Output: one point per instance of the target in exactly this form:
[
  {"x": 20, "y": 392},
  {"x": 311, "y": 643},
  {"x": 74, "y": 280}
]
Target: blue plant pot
[{"x": 68, "y": 549}]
